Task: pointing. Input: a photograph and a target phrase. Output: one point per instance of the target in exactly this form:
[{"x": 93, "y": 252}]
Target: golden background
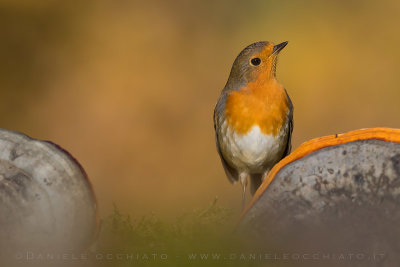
[{"x": 129, "y": 87}]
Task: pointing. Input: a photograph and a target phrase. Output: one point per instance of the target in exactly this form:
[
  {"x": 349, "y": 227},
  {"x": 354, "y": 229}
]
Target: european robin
[{"x": 253, "y": 118}]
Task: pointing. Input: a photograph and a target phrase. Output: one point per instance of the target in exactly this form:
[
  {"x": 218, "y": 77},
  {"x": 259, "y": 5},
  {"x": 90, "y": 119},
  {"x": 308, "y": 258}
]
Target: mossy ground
[{"x": 202, "y": 237}]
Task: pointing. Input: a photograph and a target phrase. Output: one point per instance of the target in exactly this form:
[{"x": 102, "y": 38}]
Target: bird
[{"x": 253, "y": 117}]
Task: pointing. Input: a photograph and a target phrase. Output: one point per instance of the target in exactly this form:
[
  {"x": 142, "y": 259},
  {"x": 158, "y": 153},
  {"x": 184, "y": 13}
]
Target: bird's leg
[
  {"x": 265, "y": 174},
  {"x": 243, "y": 177}
]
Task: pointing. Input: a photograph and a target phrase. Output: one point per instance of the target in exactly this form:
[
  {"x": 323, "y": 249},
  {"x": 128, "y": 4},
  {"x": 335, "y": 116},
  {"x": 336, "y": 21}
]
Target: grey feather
[
  {"x": 230, "y": 172},
  {"x": 290, "y": 120}
]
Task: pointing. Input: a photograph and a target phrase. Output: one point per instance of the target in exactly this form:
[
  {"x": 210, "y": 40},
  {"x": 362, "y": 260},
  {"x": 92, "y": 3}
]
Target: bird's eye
[{"x": 255, "y": 61}]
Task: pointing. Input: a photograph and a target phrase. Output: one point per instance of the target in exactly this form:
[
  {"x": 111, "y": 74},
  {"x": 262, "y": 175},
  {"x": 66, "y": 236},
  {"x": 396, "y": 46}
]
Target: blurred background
[{"x": 129, "y": 87}]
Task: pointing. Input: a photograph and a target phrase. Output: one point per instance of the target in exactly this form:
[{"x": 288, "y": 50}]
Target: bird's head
[{"x": 257, "y": 62}]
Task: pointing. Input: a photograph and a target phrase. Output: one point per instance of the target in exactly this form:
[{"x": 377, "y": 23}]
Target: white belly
[{"x": 253, "y": 152}]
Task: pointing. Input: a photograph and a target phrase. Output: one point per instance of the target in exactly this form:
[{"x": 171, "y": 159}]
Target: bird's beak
[{"x": 279, "y": 47}]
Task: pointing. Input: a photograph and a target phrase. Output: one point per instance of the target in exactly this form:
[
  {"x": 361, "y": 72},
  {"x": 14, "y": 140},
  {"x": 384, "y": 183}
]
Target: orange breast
[{"x": 265, "y": 105}]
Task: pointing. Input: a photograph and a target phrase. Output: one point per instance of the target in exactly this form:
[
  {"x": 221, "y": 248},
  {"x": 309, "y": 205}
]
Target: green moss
[{"x": 202, "y": 237}]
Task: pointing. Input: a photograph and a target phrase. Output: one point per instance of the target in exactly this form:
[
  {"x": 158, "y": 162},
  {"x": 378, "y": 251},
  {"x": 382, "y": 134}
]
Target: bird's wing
[
  {"x": 290, "y": 121},
  {"x": 230, "y": 172}
]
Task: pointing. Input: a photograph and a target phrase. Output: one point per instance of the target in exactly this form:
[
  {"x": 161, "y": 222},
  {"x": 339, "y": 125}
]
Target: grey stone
[
  {"x": 339, "y": 199},
  {"x": 46, "y": 200}
]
